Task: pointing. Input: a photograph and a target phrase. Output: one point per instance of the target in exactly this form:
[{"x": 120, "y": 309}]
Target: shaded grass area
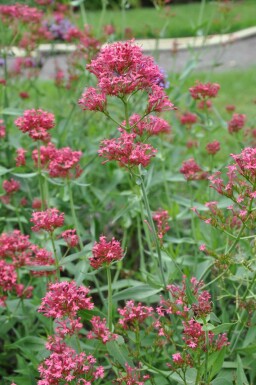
[
  {"x": 237, "y": 87},
  {"x": 178, "y": 20}
]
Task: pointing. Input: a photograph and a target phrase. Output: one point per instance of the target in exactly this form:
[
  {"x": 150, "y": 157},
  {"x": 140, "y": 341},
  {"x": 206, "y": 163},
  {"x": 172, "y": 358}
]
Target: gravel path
[
  {"x": 237, "y": 55},
  {"x": 240, "y": 54}
]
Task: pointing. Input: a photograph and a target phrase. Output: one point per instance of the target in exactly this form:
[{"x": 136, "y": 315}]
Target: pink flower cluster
[
  {"x": 2, "y": 129},
  {"x": 204, "y": 90},
  {"x": 236, "y": 123},
  {"x": 121, "y": 68},
  {"x": 188, "y": 118},
  {"x": 126, "y": 151},
  {"x": 104, "y": 253},
  {"x": 48, "y": 220},
  {"x": 70, "y": 237},
  {"x": 65, "y": 299},
  {"x": 93, "y": 100},
  {"x": 161, "y": 218},
  {"x": 60, "y": 163},
  {"x": 36, "y": 123},
  {"x": 192, "y": 171},
  {"x": 11, "y": 187},
  {"x": 149, "y": 126},
  {"x": 20, "y": 158},
  {"x": 213, "y": 147},
  {"x": 64, "y": 364},
  {"x": 134, "y": 314},
  {"x": 62, "y": 302},
  {"x": 100, "y": 331},
  {"x": 21, "y": 12}
]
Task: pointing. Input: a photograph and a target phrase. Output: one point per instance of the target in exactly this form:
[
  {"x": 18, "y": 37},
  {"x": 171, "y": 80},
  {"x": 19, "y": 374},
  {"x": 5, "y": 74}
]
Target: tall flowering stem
[
  {"x": 109, "y": 298},
  {"x": 74, "y": 212},
  {"x": 41, "y": 187},
  {"x": 153, "y": 229}
]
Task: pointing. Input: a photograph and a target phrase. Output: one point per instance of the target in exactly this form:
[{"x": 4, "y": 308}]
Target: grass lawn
[
  {"x": 237, "y": 87},
  {"x": 179, "y": 20}
]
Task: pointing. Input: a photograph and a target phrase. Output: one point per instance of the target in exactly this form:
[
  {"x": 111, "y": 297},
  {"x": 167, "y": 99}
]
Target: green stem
[
  {"x": 153, "y": 230},
  {"x": 109, "y": 298},
  {"x": 55, "y": 255},
  {"x": 74, "y": 213},
  {"x": 41, "y": 187},
  {"x": 142, "y": 256}
]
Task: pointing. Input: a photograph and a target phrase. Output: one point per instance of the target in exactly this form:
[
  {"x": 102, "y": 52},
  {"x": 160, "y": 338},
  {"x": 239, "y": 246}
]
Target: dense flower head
[
  {"x": 158, "y": 101},
  {"x": 246, "y": 163},
  {"x": 2, "y": 129},
  {"x": 93, "y": 100},
  {"x": 71, "y": 237},
  {"x": 41, "y": 257},
  {"x": 64, "y": 163},
  {"x": 13, "y": 243},
  {"x": 151, "y": 125},
  {"x": 133, "y": 314},
  {"x": 121, "y": 68},
  {"x": 36, "y": 123},
  {"x": 47, "y": 220},
  {"x": 204, "y": 104},
  {"x": 230, "y": 108},
  {"x": 126, "y": 151},
  {"x": 100, "y": 331},
  {"x": 213, "y": 147},
  {"x": 192, "y": 171},
  {"x": 180, "y": 303},
  {"x": 105, "y": 252},
  {"x": 188, "y": 118},
  {"x": 65, "y": 299},
  {"x": 36, "y": 204},
  {"x": 20, "y": 157},
  {"x": 8, "y": 276},
  {"x": 236, "y": 123},
  {"x": 11, "y": 186},
  {"x": 195, "y": 337},
  {"x": 21, "y": 12},
  {"x": 46, "y": 154},
  {"x": 68, "y": 366},
  {"x": 204, "y": 90},
  {"x": 161, "y": 218}
]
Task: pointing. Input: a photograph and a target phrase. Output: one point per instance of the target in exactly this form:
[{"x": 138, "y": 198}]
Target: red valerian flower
[
  {"x": 151, "y": 125},
  {"x": 192, "y": 171},
  {"x": 65, "y": 299},
  {"x": 20, "y": 157},
  {"x": 36, "y": 123},
  {"x": 11, "y": 186},
  {"x": 64, "y": 163},
  {"x": 100, "y": 331},
  {"x": 48, "y": 220},
  {"x": 126, "y": 151},
  {"x": 213, "y": 147},
  {"x": 161, "y": 218},
  {"x": 204, "y": 90},
  {"x": 132, "y": 314},
  {"x": 188, "y": 118},
  {"x": 121, "y": 68},
  {"x": 236, "y": 123},
  {"x": 70, "y": 237},
  {"x": 93, "y": 100},
  {"x": 104, "y": 253}
]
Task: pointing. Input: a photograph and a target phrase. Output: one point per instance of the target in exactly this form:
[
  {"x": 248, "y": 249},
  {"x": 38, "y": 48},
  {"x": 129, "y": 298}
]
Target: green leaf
[
  {"x": 241, "y": 377},
  {"x": 221, "y": 381},
  {"x": 12, "y": 111},
  {"x": 119, "y": 352},
  {"x": 41, "y": 268},
  {"x": 190, "y": 296},
  {"x": 222, "y": 328},
  {"x": 215, "y": 362},
  {"x": 4, "y": 170},
  {"x": 136, "y": 293},
  {"x": 72, "y": 257},
  {"x": 26, "y": 175}
]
